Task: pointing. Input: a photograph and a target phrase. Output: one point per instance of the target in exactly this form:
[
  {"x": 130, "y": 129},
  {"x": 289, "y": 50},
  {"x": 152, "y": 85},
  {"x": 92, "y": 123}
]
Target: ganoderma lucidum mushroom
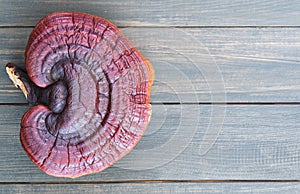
[{"x": 90, "y": 92}]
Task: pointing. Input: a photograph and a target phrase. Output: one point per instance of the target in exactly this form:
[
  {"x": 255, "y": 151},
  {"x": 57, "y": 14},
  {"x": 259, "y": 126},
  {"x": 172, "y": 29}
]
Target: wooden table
[{"x": 226, "y": 98}]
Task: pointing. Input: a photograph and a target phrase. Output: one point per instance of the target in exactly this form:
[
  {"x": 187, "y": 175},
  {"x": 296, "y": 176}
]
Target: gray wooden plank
[
  {"x": 199, "y": 65},
  {"x": 253, "y": 143},
  {"x": 166, "y": 13},
  {"x": 271, "y": 188},
  {"x": 13, "y": 48}
]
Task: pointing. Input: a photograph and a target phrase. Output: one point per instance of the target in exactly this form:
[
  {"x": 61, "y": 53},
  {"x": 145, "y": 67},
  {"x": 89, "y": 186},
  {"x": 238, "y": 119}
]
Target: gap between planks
[
  {"x": 195, "y": 103},
  {"x": 151, "y": 181},
  {"x": 186, "y": 27}
]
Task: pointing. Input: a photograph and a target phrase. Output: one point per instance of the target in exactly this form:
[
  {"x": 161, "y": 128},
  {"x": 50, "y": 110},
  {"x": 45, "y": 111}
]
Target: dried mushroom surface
[{"x": 89, "y": 89}]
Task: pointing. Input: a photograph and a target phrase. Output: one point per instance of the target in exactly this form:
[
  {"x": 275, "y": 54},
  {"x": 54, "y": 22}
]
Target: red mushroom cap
[{"x": 99, "y": 101}]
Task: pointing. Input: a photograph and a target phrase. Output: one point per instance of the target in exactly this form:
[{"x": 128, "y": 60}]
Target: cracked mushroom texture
[{"x": 89, "y": 89}]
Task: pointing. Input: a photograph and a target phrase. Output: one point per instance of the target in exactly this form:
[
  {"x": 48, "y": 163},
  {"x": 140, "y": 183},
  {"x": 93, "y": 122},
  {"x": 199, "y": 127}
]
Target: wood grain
[
  {"x": 243, "y": 55},
  {"x": 253, "y": 143},
  {"x": 160, "y": 13},
  {"x": 198, "y": 65},
  {"x": 251, "y": 187}
]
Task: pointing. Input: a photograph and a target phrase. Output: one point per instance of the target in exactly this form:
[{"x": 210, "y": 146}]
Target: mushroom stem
[
  {"x": 21, "y": 80},
  {"x": 15, "y": 75},
  {"x": 54, "y": 96}
]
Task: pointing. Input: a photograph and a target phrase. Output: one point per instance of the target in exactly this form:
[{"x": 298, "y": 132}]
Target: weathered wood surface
[
  {"x": 252, "y": 187},
  {"x": 160, "y": 13},
  {"x": 199, "y": 65},
  {"x": 243, "y": 55},
  {"x": 253, "y": 143}
]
